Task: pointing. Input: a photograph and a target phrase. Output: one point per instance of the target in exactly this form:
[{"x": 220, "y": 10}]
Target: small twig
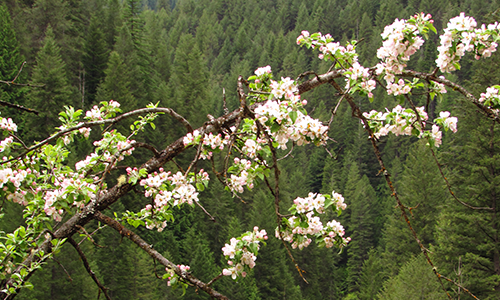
[
  {"x": 448, "y": 185},
  {"x": 195, "y": 160},
  {"x": 288, "y": 154},
  {"x": 64, "y": 269},
  {"x": 334, "y": 111},
  {"x": 19, "y": 72},
  {"x": 205, "y": 211},
  {"x": 291, "y": 256},
  {"x": 215, "y": 279},
  {"x": 19, "y": 140},
  {"x": 87, "y": 267},
  {"x": 89, "y": 236},
  {"x": 18, "y": 106},
  {"x": 459, "y": 286},
  {"x": 184, "y": 276},
  {"x": 224, "y": 104}
]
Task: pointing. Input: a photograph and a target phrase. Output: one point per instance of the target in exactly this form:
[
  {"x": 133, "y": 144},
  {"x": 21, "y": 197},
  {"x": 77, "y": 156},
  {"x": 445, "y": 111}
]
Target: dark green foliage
[
  {"x": 54, "y": 93},
  {"x": 117, "y": 82},
  {"x": 95, "y": 58},
  {"x": 189, "y": 81},
  {"x": 414, "y": 281},
  {"x": 11, "y": 59},
  {"x": 183, "y": 53}
]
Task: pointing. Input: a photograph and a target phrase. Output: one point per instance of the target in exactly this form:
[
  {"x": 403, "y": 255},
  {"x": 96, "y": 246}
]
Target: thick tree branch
[{"x": 68, "y": 228}]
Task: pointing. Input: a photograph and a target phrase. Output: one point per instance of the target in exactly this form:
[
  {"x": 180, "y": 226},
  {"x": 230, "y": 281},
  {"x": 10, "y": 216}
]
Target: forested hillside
[{"x": 187, "y": 55}]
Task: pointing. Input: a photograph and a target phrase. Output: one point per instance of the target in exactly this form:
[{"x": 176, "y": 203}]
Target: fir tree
[
  {"x": 95, "y": 58},
  {"x": 189, "y": 81},
  {"x": 360, "y": 228},
  {"x": 10, "y": 59},
  {"x": 414, "y": 281},
  {"x": 56, "y": 92},
  {"x": 116, "y": 83}
]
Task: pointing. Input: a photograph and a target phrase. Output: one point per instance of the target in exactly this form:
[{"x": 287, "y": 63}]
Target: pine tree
[
  {"x": 189, "y": 82},
  {"x": 421, "y": 188},
  {"x": 360, "y": 229},
  {"x": 10, "y": 59},
  {"x": 414, "y": 281},
  {"x": 472, "y": 235},
  {"x": 55, "y": 93},
  {"x": 116, "y": 83},
  {"x": 95, "y": 58}
]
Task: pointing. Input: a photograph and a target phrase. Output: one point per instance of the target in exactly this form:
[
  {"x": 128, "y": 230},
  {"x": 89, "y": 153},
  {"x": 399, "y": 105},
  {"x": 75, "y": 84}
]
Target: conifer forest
[{"x": 249, "y": 149}]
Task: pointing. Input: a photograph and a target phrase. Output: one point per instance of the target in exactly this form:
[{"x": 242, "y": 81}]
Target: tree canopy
[{"x": 249, "y": 149}]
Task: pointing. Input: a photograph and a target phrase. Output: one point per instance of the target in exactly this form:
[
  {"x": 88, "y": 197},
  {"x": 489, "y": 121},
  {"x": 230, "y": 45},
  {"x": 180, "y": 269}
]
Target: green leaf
[
  {"x": 432, "y": 28},
  {"x": 252, "y": 247},
  {"x": 293, "y": 115},
  {"x": 200, "y": 186},
  {"x": 275, "y": 127}
]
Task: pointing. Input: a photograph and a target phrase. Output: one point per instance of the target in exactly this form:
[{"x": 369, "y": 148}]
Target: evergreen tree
[
  {"x": 422, "y": 189},
  {"x": 360, "y": 228},
  {"x": 95, "y": 58},
  {"x": 414, "y": 281},
  {"x": 472, "y": 235},
  {"x": 113, "y": 22},
  {"x": 189, "y": 82},
  {"x": 10, "y": 59},
  {"x": 56, "y": 92},
  {"x": 116, "y": 83}
]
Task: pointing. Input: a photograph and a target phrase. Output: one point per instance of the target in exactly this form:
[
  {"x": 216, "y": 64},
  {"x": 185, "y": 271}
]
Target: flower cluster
[
  {"x": 174, "y": 189},
  {"x": 6, "y": 144},
  {"x": 173, "y": 278},
  {"x": 446, "y": 121},
  {"x": 399, "y": 121},
  {"x": 107, "y": 110},
  {"x": 401, "y": 40},
  {"x": 263, "y": 71},
  {"x": 460, "y": 36},
  {"x": 359, "y": 78},
  {"x": 112, "y": 148},
  {"x": 402, "y": 121},
  {"x": 306, "y": 223},
  {"x": 167, "y": 190},
  {"x": 16, "y": 177},
  {"x": 244, "y": 173},
  {"x": 210, "y": 142},
  {"x": 72, "y": 188},
  {"x": 491, "y": 98},
  {"x": 286, "y": 123},
  {"x": 285, "y": 87},
  {"x": 399, "y": 88},
  {"x": 342, "y": 56},
  {"x": 242, "y": 252},
  {"x": 8, "y": 124}
]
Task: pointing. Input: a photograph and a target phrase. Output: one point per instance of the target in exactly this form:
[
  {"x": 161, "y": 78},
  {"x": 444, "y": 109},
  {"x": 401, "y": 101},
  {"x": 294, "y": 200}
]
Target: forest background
[{"x": 184, "y": 54}]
